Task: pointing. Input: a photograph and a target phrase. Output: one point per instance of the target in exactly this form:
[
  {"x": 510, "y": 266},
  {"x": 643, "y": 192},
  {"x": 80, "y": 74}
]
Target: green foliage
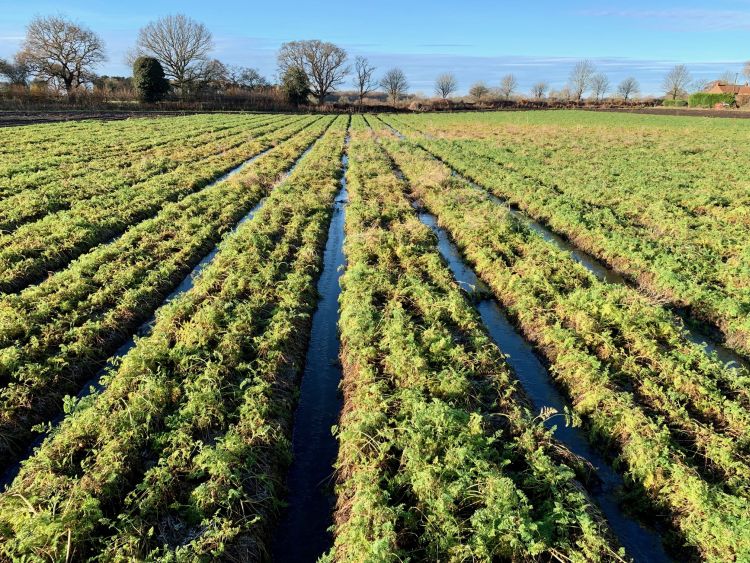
[
  {"x": 85, "y": 311},
  {"x": 674, "y": 103},
  {"x": 295, "y": 85},
  {"x": 429, "y": 475},
  {"x": 185, "y": 448},
  {"x": 706, "y": 100},
  {"x": 148, "y": 79},
  {"x": 633, "y": 376}
]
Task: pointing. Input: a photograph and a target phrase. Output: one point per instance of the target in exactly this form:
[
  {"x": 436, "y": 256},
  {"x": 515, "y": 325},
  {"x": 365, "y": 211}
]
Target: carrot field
[{"x": 488, "y": 336}]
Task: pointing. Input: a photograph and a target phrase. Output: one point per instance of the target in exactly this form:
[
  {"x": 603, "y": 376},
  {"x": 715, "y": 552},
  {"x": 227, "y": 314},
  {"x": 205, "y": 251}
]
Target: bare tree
[
  {"x": 746, "y": 70},
  {"x": 364, "y": 78},
  {"x": 395, "y": 84},
  {"x": 727, "y": 77},
  {"x": 599, "y": 86},
  {"x": 58, "y": 50},
  {"x": 245, "y": 77},
  {"x": 324, "y": 63},
  {"x": 676, "y": 81},
  {"x": 445, "y": 85},
  {"x": 16, "y": 72},
  {"x": 213, "y": 74},
  {"x": 479, "y": 91},
  {"x": 628, "y": 88},
  {"x": 508, "y": 85},
  {"x": 181, "y": 45},
  {"x": 538, "y": 90},
  {"x": 580, "y": 78}
]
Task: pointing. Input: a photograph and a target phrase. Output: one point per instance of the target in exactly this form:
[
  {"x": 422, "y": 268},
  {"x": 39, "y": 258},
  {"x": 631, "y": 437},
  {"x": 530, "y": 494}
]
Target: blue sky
[{"x": 475, "y": 39}]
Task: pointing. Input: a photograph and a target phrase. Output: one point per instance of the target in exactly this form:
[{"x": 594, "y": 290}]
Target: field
[{"x": 503, "y": 336}]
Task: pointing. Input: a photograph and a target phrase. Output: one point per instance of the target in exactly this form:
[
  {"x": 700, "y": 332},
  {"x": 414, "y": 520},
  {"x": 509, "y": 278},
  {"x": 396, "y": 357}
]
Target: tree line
[{"x": 173, "y": 55}]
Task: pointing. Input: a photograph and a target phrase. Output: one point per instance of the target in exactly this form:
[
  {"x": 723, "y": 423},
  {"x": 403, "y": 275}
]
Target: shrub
[
  {"x": 148, "y": 79},
  {"x": 706, "y": 100},
  {"x": 295, "y": 85},
  {"x": 674, "y": 103}
]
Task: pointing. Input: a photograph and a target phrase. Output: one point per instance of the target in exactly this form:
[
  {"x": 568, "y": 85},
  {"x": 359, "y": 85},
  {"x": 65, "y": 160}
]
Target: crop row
[
  {"x": 692, "y": 253},
  {"x": 676, "y": 418},
  {"x": 55, "y": 335},
  {"x": 440, "y": 459},
  {"x": 181, "y": 456},
  {"x": 35, "y": 248},
  {"x": 107, "y": 161},
  {"x": 60, "y": 194},
  {"x": 60, "y": 143}
]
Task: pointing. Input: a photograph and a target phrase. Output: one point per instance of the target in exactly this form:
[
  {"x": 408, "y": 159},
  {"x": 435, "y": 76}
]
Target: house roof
[{"x": 718, "y": 87}]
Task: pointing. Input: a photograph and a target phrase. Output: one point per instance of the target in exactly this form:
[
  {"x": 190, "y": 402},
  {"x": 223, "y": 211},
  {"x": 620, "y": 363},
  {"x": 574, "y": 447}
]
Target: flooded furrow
[
  {"x": 94, "y": 384},
  {"x": 302, "y": 534},
  {"x": 641, "y": 543},
  {"x": 601, "y": 271},
  {"x": 117, "y": 236}
]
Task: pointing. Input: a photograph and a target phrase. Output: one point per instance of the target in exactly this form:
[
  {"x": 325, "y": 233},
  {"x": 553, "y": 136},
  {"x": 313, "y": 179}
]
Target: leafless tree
[
  {"x": 599, "y": 86},
  {"x": 58, "y": 50},
  {"x": 324, "y": 63},
  {"x": 538, "y": 90},
  {"x": 445, "y": 85},
  {"x": 212, "y": 73},
  {"x": 676, "y": 81},
  {"x": 16, "y": 72},
  {"x": 628, "y": 88},
  {"x": 479, "y": 91},
  {"x": 508, "y": 85},
  {"x": 746, "y": 70},
  {"x": 244, "y": 77},
  {"x": 700, "y": 84},
  {"x": 727, "y": 77},
  {"x": 580, "y": 78},
  {"x": 364, "y": 78},
  {"x": 181, "y": 45},
  {"x": 395, "y": 84}
]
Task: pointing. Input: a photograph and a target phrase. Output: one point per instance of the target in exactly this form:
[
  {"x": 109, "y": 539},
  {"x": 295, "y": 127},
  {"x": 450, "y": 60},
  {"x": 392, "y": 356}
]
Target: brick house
[{"x": 718, "y": 87}]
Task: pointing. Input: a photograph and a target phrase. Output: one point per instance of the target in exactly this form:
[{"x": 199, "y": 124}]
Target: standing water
[
  {"x": 640, "y": 543},
  {"x": 303, "y": 531},
  {"x": 711, "y": 345}
]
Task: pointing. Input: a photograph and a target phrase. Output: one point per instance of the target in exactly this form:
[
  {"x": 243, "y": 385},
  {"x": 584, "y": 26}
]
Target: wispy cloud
[{"x": 681, "y": 19}]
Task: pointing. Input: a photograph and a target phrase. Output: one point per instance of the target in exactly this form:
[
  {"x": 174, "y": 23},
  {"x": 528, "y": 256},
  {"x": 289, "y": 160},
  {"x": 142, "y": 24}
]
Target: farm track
[
  {"x": 58, "y": 334},
  {"x": 31, "y": 205},
  {"x": 627, "y": 405},
  {"x": 668, "y": 266},
  {"x": 33, "y": 250},
  {"x": 196, "y": 413}
]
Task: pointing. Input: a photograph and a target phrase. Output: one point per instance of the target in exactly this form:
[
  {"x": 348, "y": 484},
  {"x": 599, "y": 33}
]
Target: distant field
[{"x": 541, "y": 342}]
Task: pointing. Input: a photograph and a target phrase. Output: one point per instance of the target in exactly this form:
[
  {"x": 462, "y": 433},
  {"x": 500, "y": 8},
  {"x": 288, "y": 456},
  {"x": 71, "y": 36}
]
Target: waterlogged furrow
[
  {"x": 695, "y": 259},
  {"x": 694, "y": 398},
  {"x": 439, "y": 457},
  {"x": 35, "y": 248},
  {"x": 181, "y": 456},
  {"x": 55, "y": 336},
  {"x": 636, "y": 381},
  {"x": 67, "y": 188}
]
